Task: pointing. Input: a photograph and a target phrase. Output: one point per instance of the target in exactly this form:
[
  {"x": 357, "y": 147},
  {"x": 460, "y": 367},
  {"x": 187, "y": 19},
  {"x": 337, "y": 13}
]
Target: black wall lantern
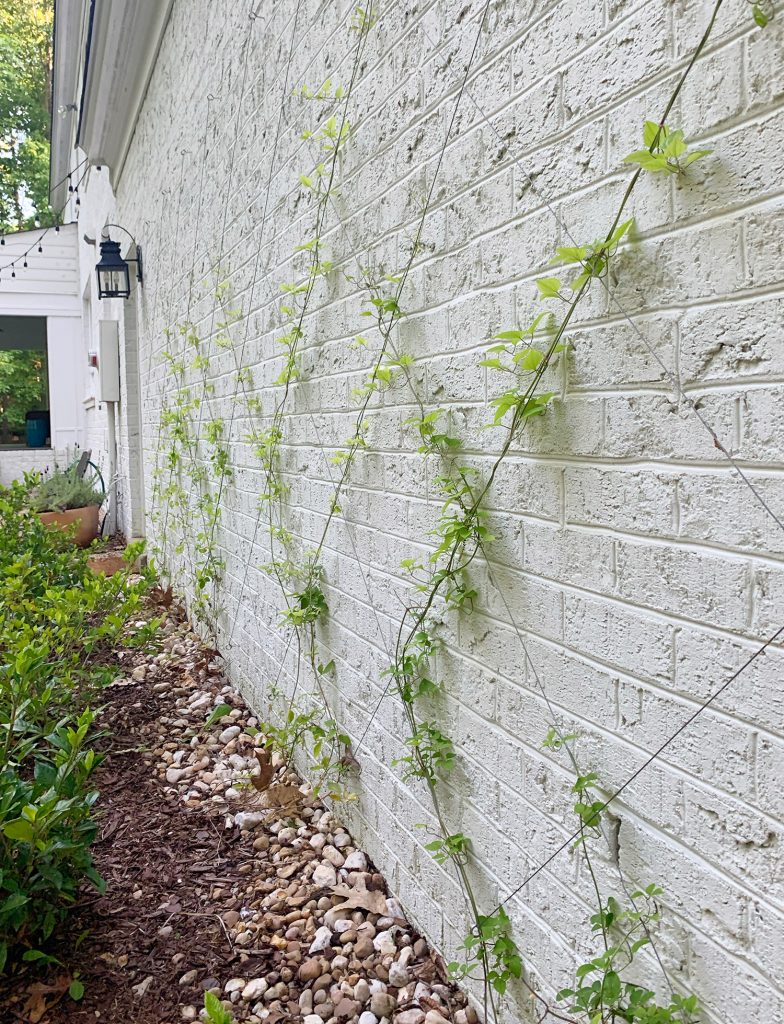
[{"x": 114, "y": 280}]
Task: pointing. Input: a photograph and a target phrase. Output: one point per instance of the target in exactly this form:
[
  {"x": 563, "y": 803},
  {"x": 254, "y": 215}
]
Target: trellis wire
[
  {"x": 725, "y": 454},
  {"x": 671, "y": 378}
]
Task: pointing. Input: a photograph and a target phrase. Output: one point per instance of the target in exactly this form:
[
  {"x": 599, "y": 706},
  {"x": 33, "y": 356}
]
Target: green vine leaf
[
  {"x": 762, "y": 14},
  {"x": 549, "y": 288},
  {"x": 666, "y": 152}
]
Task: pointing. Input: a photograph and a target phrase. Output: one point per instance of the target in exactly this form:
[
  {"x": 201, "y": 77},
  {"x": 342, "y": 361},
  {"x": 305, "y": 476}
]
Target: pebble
[
  {"x": 398, "y": 975},
  {"x": 254, "y": 989},
  {"x": 346, "y": 1008},
  {"x": 362, "y": 991},
  {"x": 310, "y": 970},
  {"x": 356, "y": 861},
  {"x": 141, "y": 990},
  {"x": 321, "y": 941},
  {"x": 410, "y": 1017},
  {"x": 383, "y": 1004},
  {"x": 306, "y": 1001},
  {"x": 384, "y": 942},
  {"x": 324, "y": 875},
  {"x": 323, "y": 963},
  {"x": 335, "y": 857},
  {"x": 363, "y": 947},
  {"x": 250, "y": 819}
]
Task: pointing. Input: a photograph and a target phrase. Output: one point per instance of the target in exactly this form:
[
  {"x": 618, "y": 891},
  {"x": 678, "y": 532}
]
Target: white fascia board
[
  {"x": 69, "y": 20},
  {"x": 126, "y": 37}
]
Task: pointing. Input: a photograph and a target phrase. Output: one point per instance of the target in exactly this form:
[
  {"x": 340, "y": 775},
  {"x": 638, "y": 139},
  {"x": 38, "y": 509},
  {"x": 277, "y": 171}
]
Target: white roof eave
[
  {"x": 123, "y": 46},
  {"x": 65, "y": 94}
]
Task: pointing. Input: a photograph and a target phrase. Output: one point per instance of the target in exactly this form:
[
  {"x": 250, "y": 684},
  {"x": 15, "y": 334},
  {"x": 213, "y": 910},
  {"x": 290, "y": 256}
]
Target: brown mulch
[{"x": 162, "y": 863}]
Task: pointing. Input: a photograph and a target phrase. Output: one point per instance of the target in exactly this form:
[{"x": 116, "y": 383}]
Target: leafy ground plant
[{"x": 58, "y": 626}]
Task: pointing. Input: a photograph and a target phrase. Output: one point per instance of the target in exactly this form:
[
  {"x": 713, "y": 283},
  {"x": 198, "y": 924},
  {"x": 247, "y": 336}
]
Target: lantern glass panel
[{"x": 113, "y": 283}]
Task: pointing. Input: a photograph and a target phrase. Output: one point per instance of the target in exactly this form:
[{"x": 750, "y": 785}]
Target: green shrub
[
  {"x": 58, "y": 625},
  {"x": 63, "y": 490}
]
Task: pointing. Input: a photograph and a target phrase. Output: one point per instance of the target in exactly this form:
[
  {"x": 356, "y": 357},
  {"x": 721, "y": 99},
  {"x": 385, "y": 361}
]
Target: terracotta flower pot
[{"x": 86, "y": 520}]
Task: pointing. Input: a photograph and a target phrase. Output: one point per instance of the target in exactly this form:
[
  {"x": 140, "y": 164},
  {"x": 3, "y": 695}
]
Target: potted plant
[{"x": 64, "y": 499}]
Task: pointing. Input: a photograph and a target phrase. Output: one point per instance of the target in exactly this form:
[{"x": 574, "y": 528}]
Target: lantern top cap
[{"x": 110, "y": 254}]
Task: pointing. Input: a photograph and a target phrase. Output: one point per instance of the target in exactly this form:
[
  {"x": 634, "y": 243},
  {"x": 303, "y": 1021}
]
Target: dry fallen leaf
[
  {"x": 359, "y": 898},
  {"x": 114, "y": 960},
  {"x": 263, "y": 779},
  {"x": 164, "y": 597},
  {"x": 37, "y": 1003},
  {"x": 280, "y": 796},
  {"x": 349, "y": 760}
]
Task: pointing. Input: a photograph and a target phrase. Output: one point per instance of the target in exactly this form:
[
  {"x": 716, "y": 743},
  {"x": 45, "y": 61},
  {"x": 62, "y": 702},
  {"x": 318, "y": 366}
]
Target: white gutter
[
  {"x": 111, "y": 77},
  {"x": 68, "y": 25}
]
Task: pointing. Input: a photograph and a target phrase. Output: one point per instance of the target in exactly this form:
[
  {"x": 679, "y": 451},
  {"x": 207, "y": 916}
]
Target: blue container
[{"x": 37, "y": 428}]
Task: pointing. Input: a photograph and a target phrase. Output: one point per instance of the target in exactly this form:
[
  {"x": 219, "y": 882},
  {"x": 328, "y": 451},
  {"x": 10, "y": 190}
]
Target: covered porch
[{"x": 41, "y": 352}]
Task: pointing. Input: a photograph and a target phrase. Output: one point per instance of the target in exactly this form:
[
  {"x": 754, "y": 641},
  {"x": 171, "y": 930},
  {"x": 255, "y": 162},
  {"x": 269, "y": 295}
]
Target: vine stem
[{"x": 456, "y": 562}]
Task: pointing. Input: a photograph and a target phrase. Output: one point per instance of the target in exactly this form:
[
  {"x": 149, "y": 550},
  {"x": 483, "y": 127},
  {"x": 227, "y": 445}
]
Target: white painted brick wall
[
  {"x": 640, "y": 569},
  {"x": 15, "y": 462}
]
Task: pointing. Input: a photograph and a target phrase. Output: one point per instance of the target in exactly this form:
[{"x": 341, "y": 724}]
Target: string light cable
[{"x": 38, "y": 243}]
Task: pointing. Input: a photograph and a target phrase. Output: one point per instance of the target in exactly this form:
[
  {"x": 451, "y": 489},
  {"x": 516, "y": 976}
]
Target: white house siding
[
  {"x": 97, "y": 210},
  {"x": 47, "y": 287},
  {"x": 640, "y": 570}
]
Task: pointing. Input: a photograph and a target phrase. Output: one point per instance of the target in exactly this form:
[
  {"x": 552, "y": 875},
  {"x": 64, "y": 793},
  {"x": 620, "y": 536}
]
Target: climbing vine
[
  {"x": 604, "y": 990},
  {"x": 522, "y": 357}
]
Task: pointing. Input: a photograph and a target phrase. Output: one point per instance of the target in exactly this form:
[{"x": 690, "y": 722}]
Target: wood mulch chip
[
  {"x": 156, "y": 856},
  {"x": 207, "y": 889}
]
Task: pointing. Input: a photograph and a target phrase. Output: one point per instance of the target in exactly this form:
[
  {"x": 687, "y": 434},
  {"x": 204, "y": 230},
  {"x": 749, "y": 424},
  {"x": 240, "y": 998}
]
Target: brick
[
  {"x": 745, "y": 522},
  {"x": 678, "y": 581},
  {"x": 630, "y": 500},
  {"x": 618, "y": 635},
  {"x": 742, "y": 340},
  {"x": 639, "y": 570}
]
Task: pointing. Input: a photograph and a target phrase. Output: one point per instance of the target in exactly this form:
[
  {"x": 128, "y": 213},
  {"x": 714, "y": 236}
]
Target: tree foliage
[
  {"x": 22, "y": 388},
  {"x": 25, "y": 111}
]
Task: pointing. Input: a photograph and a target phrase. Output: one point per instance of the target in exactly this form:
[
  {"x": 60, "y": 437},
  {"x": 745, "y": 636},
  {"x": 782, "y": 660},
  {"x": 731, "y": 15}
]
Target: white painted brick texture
[{"x": 638, "y": 567}]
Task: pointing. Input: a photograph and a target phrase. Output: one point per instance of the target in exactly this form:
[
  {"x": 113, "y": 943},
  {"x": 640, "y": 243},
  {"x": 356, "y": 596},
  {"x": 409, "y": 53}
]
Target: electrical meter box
[{"x": 108, "y": 361}]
